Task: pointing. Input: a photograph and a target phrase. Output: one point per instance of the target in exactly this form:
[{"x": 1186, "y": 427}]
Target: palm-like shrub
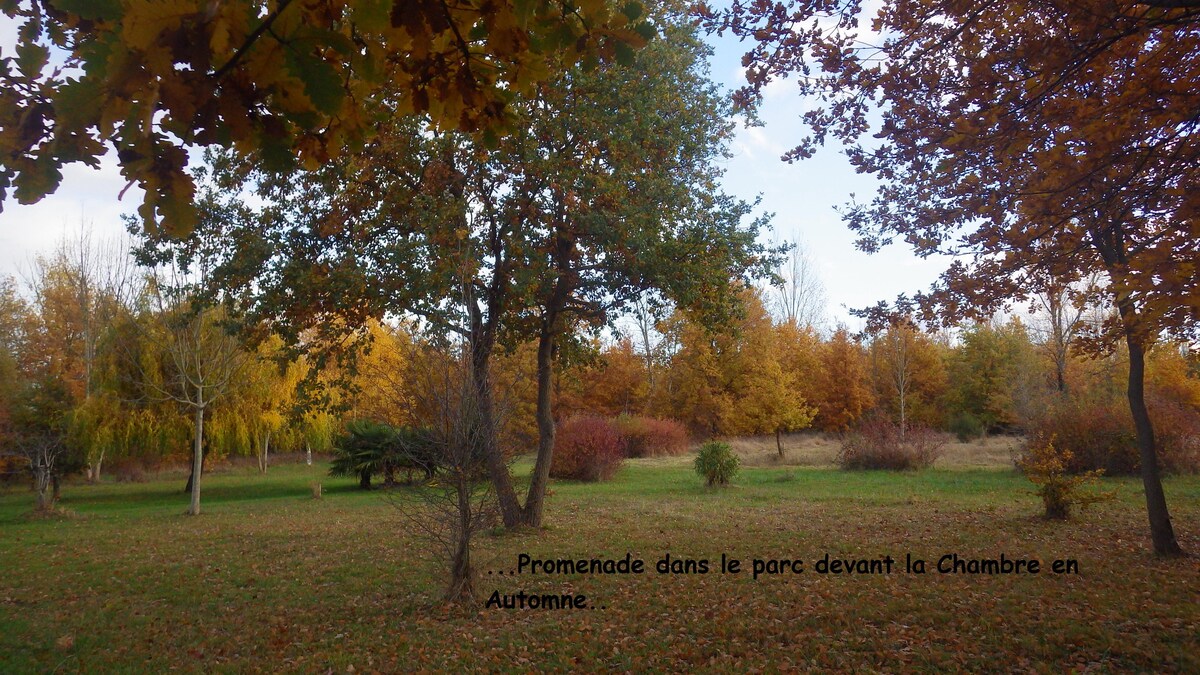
[{"x": 369, "y": 448}]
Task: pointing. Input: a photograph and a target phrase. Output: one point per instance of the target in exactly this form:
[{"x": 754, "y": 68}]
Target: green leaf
[
  {"x": 31, "y": 58},
  {"x": 373, "y": 15},
  {"x": 39, "y": 180},
  {"x": 322, "y": 84},
  {"x": 524, "y": 9},
  {"x": 74, "y": 105},
  {"x": 632, "y": 10},
  {"x": 625, "y": 54},
  {"x": 93, "y": 10}
]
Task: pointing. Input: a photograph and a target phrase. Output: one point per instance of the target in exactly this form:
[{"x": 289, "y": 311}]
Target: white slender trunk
[
  {"x": 264, "y": 448},
  {"x": 197, "y": 461},
  {"x": 94, "y": 469}
]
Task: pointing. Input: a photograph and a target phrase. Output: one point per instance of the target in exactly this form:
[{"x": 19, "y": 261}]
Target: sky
[{"x": 802, "y": 196}]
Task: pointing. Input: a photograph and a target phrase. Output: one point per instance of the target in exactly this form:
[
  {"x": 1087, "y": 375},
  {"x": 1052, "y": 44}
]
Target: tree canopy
[
  {"x": 1038, "y": 141},
  {"x": 284, "y": 78}
]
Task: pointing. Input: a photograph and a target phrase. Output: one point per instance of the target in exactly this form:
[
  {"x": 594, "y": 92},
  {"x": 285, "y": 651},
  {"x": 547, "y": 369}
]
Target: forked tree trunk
[
  {"x": 262, "y": 456},
  {"x": 41, "y": 478},
  {"x": 94, "y": 469},
  {"x": 506, "y": 496}
]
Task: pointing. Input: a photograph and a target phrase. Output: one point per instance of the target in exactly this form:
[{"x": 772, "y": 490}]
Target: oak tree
[
  {"x": 1033, "y": 139},
  {"x": 284, "y": 78}
]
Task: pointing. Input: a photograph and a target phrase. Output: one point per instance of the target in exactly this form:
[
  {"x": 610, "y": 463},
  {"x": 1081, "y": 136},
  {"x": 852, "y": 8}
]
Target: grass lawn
[{"x": 270, "y": 579}]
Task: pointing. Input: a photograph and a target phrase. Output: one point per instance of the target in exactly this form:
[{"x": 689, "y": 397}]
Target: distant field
[
  {"x": 269, "y": 579},
  {"x": 820, "y": 450}
]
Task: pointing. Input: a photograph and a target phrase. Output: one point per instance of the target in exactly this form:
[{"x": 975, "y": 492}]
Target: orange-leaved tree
[{"x": 1036, "y": 140}]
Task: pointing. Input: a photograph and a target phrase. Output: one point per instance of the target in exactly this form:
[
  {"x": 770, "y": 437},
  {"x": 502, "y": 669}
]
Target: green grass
[{"x": 269, "y": 579}]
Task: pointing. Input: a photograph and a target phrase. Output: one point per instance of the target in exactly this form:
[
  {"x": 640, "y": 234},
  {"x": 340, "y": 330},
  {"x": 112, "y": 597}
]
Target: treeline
[
  {"x": 103, "y": 368},
  {"x": 1013, "y": 375},
  {"x": 97, "y": 353}
]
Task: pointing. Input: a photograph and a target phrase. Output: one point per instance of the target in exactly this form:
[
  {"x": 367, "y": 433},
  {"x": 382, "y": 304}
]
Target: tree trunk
[
  {"x": 308, "y": 453},
  {"x": 779, "y": 442},
  {"x": 535, "y": 500},
  {"x": 510, "y": 507},
  {"x": 364, "y": 480},
  {"x": 197, "y": 462},
  {"x": 41, "y": 479},
  {"x": 1161, "y": 533},
  {"x": 262, "y": 455},
  {"x": 94, "y": 469},
  {"x": 462, "y": 576}
]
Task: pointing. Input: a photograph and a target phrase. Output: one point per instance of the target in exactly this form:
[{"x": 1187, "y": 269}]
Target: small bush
[
  {"x": 128, "y": 471},
  {"x": 717, "y": 463},
  {"x": 966, "y": 427},
  {"x": 651, "y": 437},
  {"x": 1046, "y": 467},
  {"x": 878, "y": 444},
  {"x": 586, "y": 448}
]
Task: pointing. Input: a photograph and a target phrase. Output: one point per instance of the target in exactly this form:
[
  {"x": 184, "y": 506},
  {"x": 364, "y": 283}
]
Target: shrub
[
  {"x": 1100, "y": 435},
  {"x": 586, "y": 448},
  {"x": 879, "y": 444},
  {"x": 1177, "y": 430},
  {"x": 129, "y": 470},
  {"x": 369, "y": 448},
  {"x": 717, "y": 463},
  {"x": 651, "y": 437},
  {"x": 966, "y": 426},
  {"x": 1046, "y": 467}
]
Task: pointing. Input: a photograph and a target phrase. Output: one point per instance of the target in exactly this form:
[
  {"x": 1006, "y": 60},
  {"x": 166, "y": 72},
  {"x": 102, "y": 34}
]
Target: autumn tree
[
  {"x": 990, "y": 372},
  {"x": 732, "y": 381},
  {"x": 909, "y": 375},
  {"x": 201, "y": 362},
  {"x": 286, "y": 79},
  {"x": 606, "y": 188},
  {"x": 79, "y": 291},
  {"x": 843, "y": 392},
  {"x": 12, "y": 306},
  {"x": 1059, "y": 320},
  {"x": 1036, "y": 140},
  {"x": 265, "y": 397}
]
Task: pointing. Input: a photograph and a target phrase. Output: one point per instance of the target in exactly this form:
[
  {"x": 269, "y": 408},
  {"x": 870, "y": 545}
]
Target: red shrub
[
  {"x": 586, "y": 448},
  {"x": 1177, "y": 430},
  {"x": 1100, "y": 435},
  {"x": 651, "y": 437},
  {"x": 127, "y": 470},
  {"x": 878, "y": 444}
]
